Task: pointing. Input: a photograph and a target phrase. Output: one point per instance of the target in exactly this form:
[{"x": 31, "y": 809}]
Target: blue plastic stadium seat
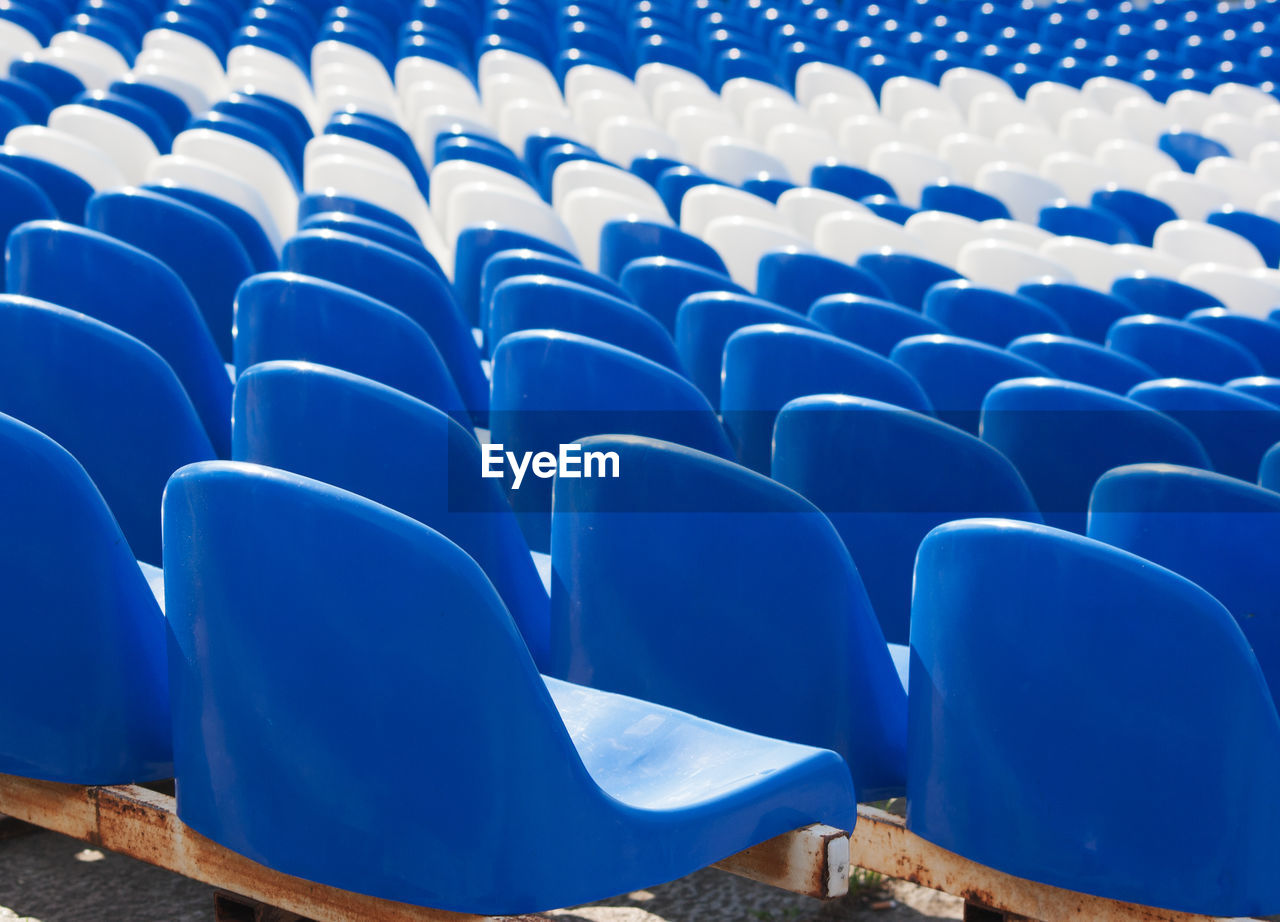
[
  {"x": 479, "y": 150},
  {"x": 1188, "y": 148},
  {"x": 1069, "y": 220},
  {"x": 541, "y": 302},
  {"x": 283, "y": 316},
  {"x": 81, "y": 625},
  {"x": 109, "y": 400},
  {"x": 1178, "y": 349},
  {"x": 1088, "y": 313},
  {"x": 988, "y": 315},
  {"x": 506, "y": 264},
  {"x": 1260, "y": 386},
  {"x": 704, "y": 324},
  {"x": 956, "y": 373},
  {"x": 905, "y": 276},
  {"x": 650, "y": 165},
  {"x": 1150, "y": 294},
  {"x": 626, "y": 239},
  {"x": 318, "y": 202},
  {"x": 552, "y": 389},
  {"x": 472, "y": 251},
  {"x": 1063, "y": 436},
  {"x": 885, "y": 476},
  {"x": 459, "y": 680},
  {"x": 33, "y": 101},
  {"x": 1235, "y": 429},
  {"x": 869, "y": 322},
  {"x": 797, "y": 279},
  {"x": 660, "y": 285},
  {"x": 767, "y": 365},
  {"x": 850, "y": 181},
  {"x": 262, "y": 253},
  {"x": 374, "y": 231},
  {"x": 962, "y": 200},
  {"x": 58, "y": 83},
  {"x": 1260, "y": 337},
  {"x": 1141, "y": 213},
  {"x": 405, "y": 284},
  {"x": 21, "y": 200},
  {"x": 1084, "y": 362},
  {"x": 1104, "y": 663},
  {"x": 1262, "y": 232},
  {"x": 203, "y": 251},
  {"x": 1218, "y": 532},
  {"x": 378, "y": 442},
  {"x": 767, "y": 188},
  {"x": 744, "y": 605},
  {"x": 66, "y": 265},
  {"x": 888, "y": 207},
  {"x": 67, "y": 191}
]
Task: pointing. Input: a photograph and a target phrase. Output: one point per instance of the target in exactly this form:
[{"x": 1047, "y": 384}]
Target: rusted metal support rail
[
  {"x": 143, "y": 824},
  {"x": 881, "y": 843},
  {"x": 814, "y": 861}
]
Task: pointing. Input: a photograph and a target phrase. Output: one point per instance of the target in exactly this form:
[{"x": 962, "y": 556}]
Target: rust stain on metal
[
  {"x": 812, "y": 861},
  {"x": 143, "y": 824},
  {"x": 882, "y": 843}
]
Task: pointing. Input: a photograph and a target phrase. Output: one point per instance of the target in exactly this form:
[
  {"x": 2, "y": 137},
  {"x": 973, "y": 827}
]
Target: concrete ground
[{"x": 45, "y": 877}]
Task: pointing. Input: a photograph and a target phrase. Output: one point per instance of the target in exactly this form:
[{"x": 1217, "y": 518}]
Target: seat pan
[{"x": 638, "y": 752}]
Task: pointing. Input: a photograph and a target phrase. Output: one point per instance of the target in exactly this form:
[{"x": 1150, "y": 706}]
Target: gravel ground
[{"x": 45, "y": 877}]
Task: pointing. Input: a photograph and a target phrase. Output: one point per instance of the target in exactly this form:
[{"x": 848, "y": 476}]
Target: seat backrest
[
  {"x": 199, "y": 248},
  {"x": 552, "y": 389},
  {"x": 505, "y": 264},
  {"x": 766, "y": 365},
  {"x": 626, "y": 239},
  {"x": 988, "y": 315},
  {"x": 1258, "y": 336},
  {"x": 1150, "y": 294},
  {"x": 885, "y": 476},
  {"x": 908, "y": 278},
  {"x": 441, "y": 668},
  {"x": 1086, "y": 312},
  {"x": 471, "y": 255},
  {"x": 1236, "y": 429},
  {"x": 743, "y": 606},
  {"x": 704, "y": 324},
  {"x": 1085, "y": 362},
  {"x": 660, "y": 285},
  {"x": 1219, "y": 532},
  {"x": 252, "y": 236},
  {"x": 1178, "y": 349},
  {"x": 284, "y": 315},
  {"x": 797, "y": 279},
  {"x": 869, "y": 322},
  {"x": 1063, "y": 436},
  {"x": 109, "y": 400},
  {"x": 1010, "y": 716},
  {"x": 65, "y": 265},
  {"x": 407, "y": 285},
  {"x": 378, "y": 442},
  {"x": 956, "y": 373},
  {"x": 21, "y": 199},
  {"x": 81, "y": 625},
  {"x": 531, "y": 302}
]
